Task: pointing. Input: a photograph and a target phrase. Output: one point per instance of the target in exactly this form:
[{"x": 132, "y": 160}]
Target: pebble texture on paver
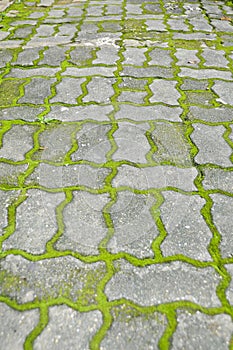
[{"x": 116, "y": 175}]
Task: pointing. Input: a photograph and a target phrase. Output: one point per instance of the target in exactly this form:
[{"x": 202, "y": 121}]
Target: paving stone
[
  {"x": 46, "y": 2},
  {"x": 84, "y": 72},
  {"x": 56, "y": 13},
  {"x": 221, "y": 26},
  {"x": 89, "y": 112},
  {"x": 187, "y": 57},
  {"x": 153, "y": 8},
  {"x": 200, "y": 24},
  {"x": 6, "y": 199},
  {"x": 37, "y": 91},
  {"x": 160, "y": 57},
  {"x": 22, "y": 112},
  {"x": 81, "y": 54},
  {"x": 155, "y": 177},
  {"x": 9, "y": 174},
  {"x": 133, "y": 83},
  {"x": 27, "y": 56},
  {"x": 84, "y": 222},
  {"x": 113, "y": 9},
  {"x": 107, "y": 55},
  {"x": 10, "y": 44},
  {"x": 164, "y": 91},
  {"x": 53, "y": 56},
  {"x": 93, "y": 143},
  {"x": 55, "y": 143},
  {"x": 36, "y": 214},
  {"x": 96, "y": 10},
  {"x": 4, "y": 35},
  {"x": 157, "y": 25},
  {"x": 199, "y": 98},
  {"x": 51, "y": 176},
  {"x": 131, "y": 213},
  {"x": 32, "y": 72},
  {"x": 204, "y": 73},
  {"x": 164, "y": 283},
  {"x": 155, "y": 72},
  {"x": 126, "y": 335},
  {"x": 134, "y": 56},
  {"x": 99, "y": 90},
  {"x": 177, "y": 24},
  {"x": 23, "y": 33},
  {"x": 134, "y": 8},
  {"x": 36, "y": 15},
  {"x": 214, "y": 58},
  {"x": 198, "y": 36},
  {"x": 220, "y": 179},
  {"x": 222, "y": 211},
  {"x": 17, "y": 142},
  {"x": 5, "y": 57},
  {"x": 49, "y": 41},
  {"x": 67, "y": 29},
  {"x": 109, "y": 26},
  {"x": 208, "y": 139},
  {"x": 57, "y": 20},
  {"x": 24, "y": 22},
  {"x": 219, "y": 114},
  {"x": 229, "y": 292},
  {"x": 15, "y": 326},
  {"x": 10, "y": 91},
  {"x": 74, "y": 11},
  {"x": 156, "y": 112},
  {"x": 187, "y": 231},
  {"x": 172, "y": 145},
  {"x": 190, "y": 84},
  {"x": 50, "y": 278},
  {"x": 132, "y": 96},
  {"x": 68, "y": 90},
  {"x": 45, "y": 30},
  {"x": 136, "y": 150},
  {"x": 224, "y": 90},
  {"x": 69, "y": 328},
  {"x": 201, "y": 331}
]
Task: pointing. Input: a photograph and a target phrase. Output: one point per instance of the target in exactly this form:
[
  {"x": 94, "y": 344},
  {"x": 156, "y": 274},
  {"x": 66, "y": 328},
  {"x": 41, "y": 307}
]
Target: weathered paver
[{"x": 116, "y": 173}]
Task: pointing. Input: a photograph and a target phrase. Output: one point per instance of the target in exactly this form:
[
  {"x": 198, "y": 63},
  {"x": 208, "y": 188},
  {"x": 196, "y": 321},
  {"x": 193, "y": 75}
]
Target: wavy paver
[{"x": 116, "y": 169}]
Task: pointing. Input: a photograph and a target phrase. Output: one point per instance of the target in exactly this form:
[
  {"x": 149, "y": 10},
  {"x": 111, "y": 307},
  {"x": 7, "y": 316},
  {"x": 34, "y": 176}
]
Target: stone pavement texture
[{"x": 116, "y": 175}]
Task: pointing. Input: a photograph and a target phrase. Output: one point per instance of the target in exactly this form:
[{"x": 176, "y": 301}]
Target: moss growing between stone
[{"x": 10, "y": 91}]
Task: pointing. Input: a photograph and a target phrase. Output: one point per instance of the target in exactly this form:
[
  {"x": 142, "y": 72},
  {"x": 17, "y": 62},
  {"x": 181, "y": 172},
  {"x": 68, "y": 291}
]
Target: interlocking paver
[
  {"x": 153, "y": 326},
  {"x": 187, "y": 231},
  {"x": 68, "y": 328},
  {"x": 198, "y": 331},
  {"x": 207, "y": 139},
  {"x": 30, "y": 218},
  {"x": 17, "y": 142},
  {"x": 221, "y": 212},
  {"x": 116, "y": 163},
  {"x": 15, "y": 326},
  {"x": 156, "y": 284}
]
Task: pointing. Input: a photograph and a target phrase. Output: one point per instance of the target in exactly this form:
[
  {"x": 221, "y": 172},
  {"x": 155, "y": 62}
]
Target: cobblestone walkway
[{"x": 116, "y": 175}]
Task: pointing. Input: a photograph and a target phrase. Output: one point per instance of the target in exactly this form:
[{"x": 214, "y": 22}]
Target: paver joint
[{"x": 116, "y": 172}]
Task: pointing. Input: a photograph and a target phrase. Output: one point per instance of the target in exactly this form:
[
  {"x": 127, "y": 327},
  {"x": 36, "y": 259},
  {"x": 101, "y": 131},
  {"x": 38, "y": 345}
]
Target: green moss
[
  {"x": 186, "y": 44},
  {"x": 9, "y": 91},
  {"x": 199, "y": 98},
  {"x": 10, "y": 282},
  {"x": 88, "y": 294}
]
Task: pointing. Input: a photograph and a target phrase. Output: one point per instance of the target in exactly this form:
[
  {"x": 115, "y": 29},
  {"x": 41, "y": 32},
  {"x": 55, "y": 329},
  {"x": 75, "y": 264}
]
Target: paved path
[{"x": 116, "y": 173}]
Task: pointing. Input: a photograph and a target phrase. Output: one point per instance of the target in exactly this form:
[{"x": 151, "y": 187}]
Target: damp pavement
[{"x": 116, "y": 173}]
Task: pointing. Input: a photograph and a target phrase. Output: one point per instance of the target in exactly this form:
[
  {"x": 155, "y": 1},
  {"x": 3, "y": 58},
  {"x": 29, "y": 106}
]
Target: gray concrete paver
[{"x": 116, "y": 174}]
